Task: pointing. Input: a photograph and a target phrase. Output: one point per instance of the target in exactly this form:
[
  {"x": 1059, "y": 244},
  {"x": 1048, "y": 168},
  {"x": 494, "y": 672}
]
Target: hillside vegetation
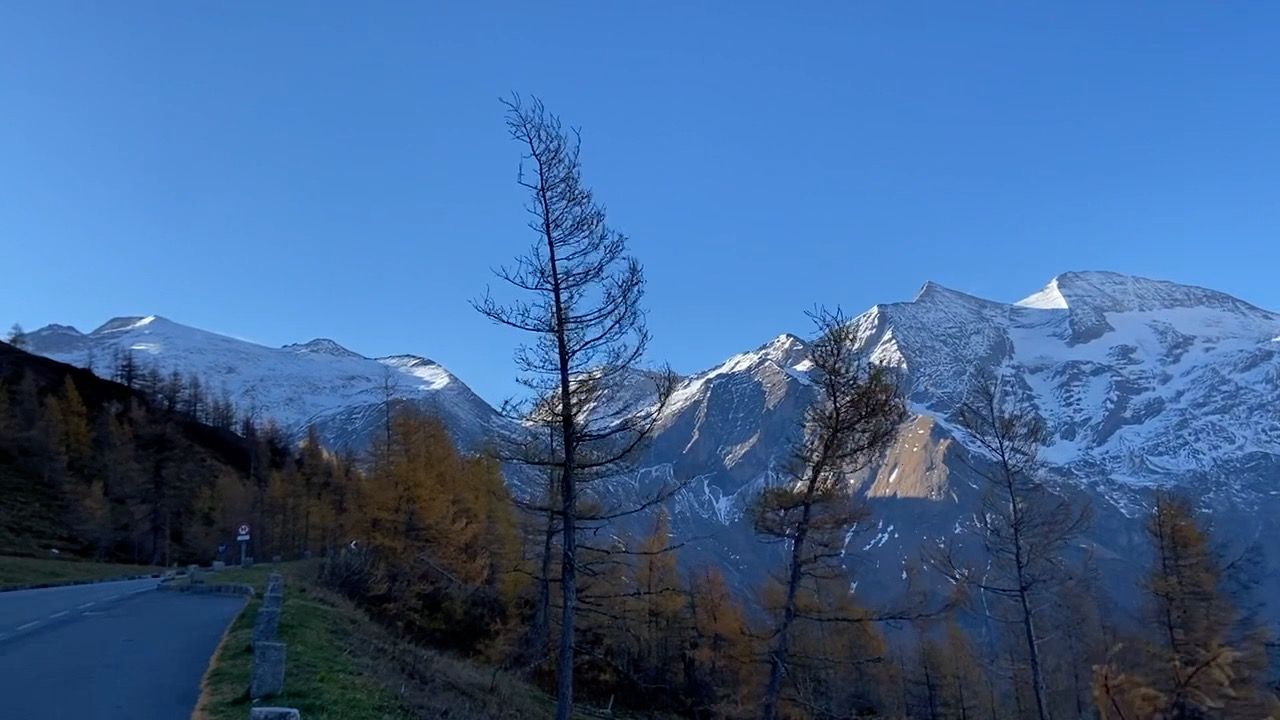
[{"x": 29, "y": 572}]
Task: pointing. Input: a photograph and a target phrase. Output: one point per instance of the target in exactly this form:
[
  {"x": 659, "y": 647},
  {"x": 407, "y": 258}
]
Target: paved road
[
  {"x": 23, "y": 610},
  {"x": 111, "y": 651}
]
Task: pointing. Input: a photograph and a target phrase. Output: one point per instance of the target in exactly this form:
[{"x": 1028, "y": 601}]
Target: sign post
[{"x": 242, "y": 535}]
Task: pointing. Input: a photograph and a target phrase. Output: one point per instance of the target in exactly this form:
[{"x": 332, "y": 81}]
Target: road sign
[{"x": 242, "y": 536}]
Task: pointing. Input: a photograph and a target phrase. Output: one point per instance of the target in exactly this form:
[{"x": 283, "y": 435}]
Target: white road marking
[
  {"x": 110, "y": 597},
  {"x": 57, "y": 614},
  {"x": 31, "y": 624},
  {"x": 88, "y": 604}
]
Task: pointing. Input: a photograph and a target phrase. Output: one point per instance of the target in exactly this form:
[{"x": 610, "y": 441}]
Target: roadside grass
[
  {"x": 24, "y": 571},
  {"x": 343, "y": 665},
  {"x": 327, "y": 673},
  {"x": 296, "y": 570}
]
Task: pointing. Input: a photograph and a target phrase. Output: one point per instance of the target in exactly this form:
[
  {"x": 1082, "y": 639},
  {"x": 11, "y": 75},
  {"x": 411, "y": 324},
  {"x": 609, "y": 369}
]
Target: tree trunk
[
  {"x": 1037, "y": 673},
  {"x": 778, "y": 657},
  {"x": 542, "y": 611},
  {"x": 1028, "y": 621},
  {"x": 568, "y": 484},
  {"x": 569, "y": 593}
]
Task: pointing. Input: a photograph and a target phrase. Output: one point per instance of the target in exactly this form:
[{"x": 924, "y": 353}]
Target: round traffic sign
[{"x": 244, "y": 528}]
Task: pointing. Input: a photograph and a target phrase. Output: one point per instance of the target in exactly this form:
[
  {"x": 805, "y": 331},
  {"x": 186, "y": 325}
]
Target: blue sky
[{"x": 286, "y": 170}]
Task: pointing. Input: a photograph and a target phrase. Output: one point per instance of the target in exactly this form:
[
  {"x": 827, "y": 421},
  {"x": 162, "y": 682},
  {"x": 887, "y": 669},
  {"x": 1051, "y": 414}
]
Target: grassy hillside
[{"x": 23, "y": 571}]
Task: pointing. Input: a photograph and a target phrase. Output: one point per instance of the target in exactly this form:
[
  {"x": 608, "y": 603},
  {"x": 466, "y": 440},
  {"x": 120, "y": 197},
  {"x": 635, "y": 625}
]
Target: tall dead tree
[
  {"x": 580, "y": 303},
  {"x": 1025, "y": 527},
  {"x": 853, "y": 418}
]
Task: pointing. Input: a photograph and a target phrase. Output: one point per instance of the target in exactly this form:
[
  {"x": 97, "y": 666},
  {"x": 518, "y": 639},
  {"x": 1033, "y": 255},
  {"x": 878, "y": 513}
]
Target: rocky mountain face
[{"x": 1141, "y": 383}]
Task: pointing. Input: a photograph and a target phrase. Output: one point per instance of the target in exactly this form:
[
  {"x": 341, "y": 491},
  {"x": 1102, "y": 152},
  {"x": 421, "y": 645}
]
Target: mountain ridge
[{"x": 1141, "y": 383}]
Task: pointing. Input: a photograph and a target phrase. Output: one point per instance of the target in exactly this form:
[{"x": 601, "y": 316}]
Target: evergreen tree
[
  {"x": 171, "y": 392},
  {"x": 17, "y": 337},
  {"x": 76, "y": 433},
  {"x": 1189, "y": 666},
  {"x": 662, "y": 606},
  {"x": 26, "y": 404},
  {"x": 125, "y": 369},
  {"x": 116, "y": 465},
  {"x": 854, "y": 417},
  {"x": 724, "y": 678}
]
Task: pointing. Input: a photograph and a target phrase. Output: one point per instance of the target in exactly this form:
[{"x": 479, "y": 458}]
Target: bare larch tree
[
  {"x": 580, "y": 293},
  {"x": 1025, "y": 527},
  {"x": 854, "y": 417}
]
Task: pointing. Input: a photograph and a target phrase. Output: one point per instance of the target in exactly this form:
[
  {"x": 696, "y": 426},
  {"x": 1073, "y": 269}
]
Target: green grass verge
[
  {"x": 22, "y": 571},
  {"x": 342, "y": 665},
  {"x": 326, "y": 675}
]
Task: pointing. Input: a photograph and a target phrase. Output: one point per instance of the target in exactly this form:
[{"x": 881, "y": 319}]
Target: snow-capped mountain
[
  {"x": 318, "y": 383},
  {"x": 1141, "y": 383}
]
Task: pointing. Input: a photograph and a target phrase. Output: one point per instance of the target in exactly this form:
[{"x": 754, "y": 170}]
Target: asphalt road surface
[{"x": 108, "y": 651}]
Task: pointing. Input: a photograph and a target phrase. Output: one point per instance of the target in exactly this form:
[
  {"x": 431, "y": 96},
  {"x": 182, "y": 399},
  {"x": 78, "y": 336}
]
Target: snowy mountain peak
[
  {"x": 1111, "y": 292},
  {"x": 1093, "y": 300},
  {"x": 785, "y": 350},
  {"x": 60, "y": 338},
  {"x": 406, "y": 361},
  {"x": 432, "y": 375},
  {"x": 1048, "y": 297},
  {"x": 933, "y": 292},
  {"x": 56, "y": 330},
  {"x": 322, "y": 346},
  {"x": 126, "y": 323}
]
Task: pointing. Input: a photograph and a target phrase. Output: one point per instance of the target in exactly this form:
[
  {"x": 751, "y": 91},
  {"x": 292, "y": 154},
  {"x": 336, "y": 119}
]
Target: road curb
[
  {"x": 242, "y": 590},
  {"x": 201, "y": 711}
]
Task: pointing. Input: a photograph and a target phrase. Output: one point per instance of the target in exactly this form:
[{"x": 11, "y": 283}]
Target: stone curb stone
[
  {"x": 268, "y": 670},
  {"x": 266, "y": 625},
  {"x": 244, "y": 590}
]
